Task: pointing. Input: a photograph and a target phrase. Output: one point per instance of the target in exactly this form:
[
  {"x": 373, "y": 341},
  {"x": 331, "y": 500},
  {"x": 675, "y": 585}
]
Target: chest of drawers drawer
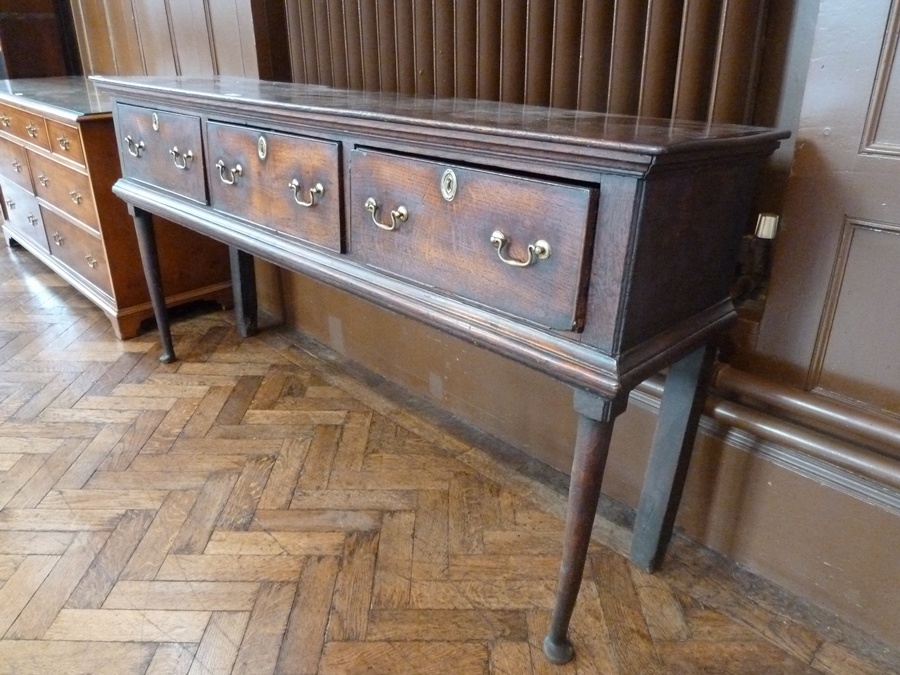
[
  {"x": 25, "y": 125},
  {"x": 515, "y": 244},
  {"x": 24, "y": 214},
  {"x": 81, "y": 251},
  {"x": 283, "y": 182},
  {"x": 65, "y": 141},
  {"x": 14, "y": 164},
  {"x": 164, "y": 149},
  {"x": 64, "y": 188}
]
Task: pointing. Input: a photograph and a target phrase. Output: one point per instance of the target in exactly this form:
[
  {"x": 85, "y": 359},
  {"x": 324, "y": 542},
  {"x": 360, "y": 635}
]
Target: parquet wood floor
[{"x": 261, "y": 507}]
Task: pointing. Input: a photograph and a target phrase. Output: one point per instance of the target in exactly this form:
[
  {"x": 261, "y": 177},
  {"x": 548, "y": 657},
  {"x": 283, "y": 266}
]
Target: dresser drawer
[
  {"x": 64, "y": 188},
  {"x": 24, "y": 214},
  {"x": 65, "y": 141},
  {"x": 13, "y": 164},
  {"x": 455, "y": 244},
  {"x": 80, "y": 251},
  {"x": 163, "y": 149},
  {"x": 25, "y": 125},
  {"x": 287, "y": 183}
]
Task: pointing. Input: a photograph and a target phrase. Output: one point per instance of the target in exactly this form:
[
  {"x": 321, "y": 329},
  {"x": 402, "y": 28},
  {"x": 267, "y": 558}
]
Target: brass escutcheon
[{"x": 449, "y": 185}]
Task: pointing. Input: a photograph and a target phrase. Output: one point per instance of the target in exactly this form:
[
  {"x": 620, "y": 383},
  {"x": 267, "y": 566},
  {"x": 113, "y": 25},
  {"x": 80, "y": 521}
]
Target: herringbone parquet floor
[{"x": 259, "y": 507}]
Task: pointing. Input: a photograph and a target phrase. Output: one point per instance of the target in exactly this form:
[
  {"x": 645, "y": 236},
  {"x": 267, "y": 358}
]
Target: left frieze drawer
[{"x": 163, "y": 149}]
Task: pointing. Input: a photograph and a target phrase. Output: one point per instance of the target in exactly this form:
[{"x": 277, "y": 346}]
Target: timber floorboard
[{"x": 261, "y": 506}]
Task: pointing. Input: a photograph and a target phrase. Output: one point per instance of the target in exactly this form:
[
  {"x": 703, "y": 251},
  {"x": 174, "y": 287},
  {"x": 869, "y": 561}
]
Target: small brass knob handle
[
  {"x": 92, "y": 263},
  {"x": 31, "y": 219},
  {"x": 31, "y": 129},
  {"x": 134, "y": 149},
  {"x": 226, "y": 175},
  {"x": 58, "y": 238},
  {"x": 10, "y": 204},
  {"x": 5, "y": 121},
  {"x": 76, "y": 196},
  {"x": 43, "y": 180},
  {"x": 399, "y": 214},
  {"x": 539, "y": 250},
  {"x": 16, "y": 165},
  {"x": 315, "y": 192},
  {"x": 181, "y": 159},
  {"x": 63, "y": 142}
]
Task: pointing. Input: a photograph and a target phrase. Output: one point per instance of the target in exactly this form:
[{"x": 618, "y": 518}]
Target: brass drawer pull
[
  {"x": 229, "y": 177},
  {"x": 58, "y": 238},
  {"x": 314, "y": 192},
  {"x": 134, "y": 149},
  {"x": 16, "y": 165},
  {"x": 400, "y": 213},
  {"x": 63, "y": 142},
  {"x": 31, "y": 219},
  {"x": 31, "y": 129},
  {"x": 10, "y": 204},
  {"x": 43, "y": 180},
  {"x": 181, "y": 159},
  {"x": 92, "y": 263},
  {"x": 76, "y": 196},
  {"x": 539, "y": 250},
  {"x": 5, "y": 121}
]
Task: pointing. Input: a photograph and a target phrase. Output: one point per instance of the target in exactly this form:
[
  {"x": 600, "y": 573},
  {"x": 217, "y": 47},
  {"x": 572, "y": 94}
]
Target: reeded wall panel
[{"x": 685, "y": 59}]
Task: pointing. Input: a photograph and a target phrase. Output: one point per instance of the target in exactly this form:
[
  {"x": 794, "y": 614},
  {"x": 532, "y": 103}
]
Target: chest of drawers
[
  {"x": 58, "y": 162},
  {"x": 596, "y": 249}
]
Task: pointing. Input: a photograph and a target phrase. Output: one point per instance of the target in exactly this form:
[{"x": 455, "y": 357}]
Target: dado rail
[{"x": 597, "y": 249}]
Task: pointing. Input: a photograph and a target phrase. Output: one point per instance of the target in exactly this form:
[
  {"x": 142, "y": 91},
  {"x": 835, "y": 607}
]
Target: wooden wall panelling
[
  {"x": 539, "y": 52},
  {"x": 336, "y": 36},
  {"x": 658, "y": 71},
  {"x": 740, "y": 41},
  {"x": 189, "y": 26},
  {"x": 95, "y": 36},
  {"x": 465, "y": 48},
  {"x": 697, "y": 59},
  {"x": 157, "y": 44},
  {"x": 444, "y": 49},
  {"x": 513, "y": 23},
  {"x": 593, "y": 81},
  {"x": 566, "y": 56},
  {"x": 487, "y": 67},
  {"x": 423, "y": 48},
  {"x": 627, "y": 51}
]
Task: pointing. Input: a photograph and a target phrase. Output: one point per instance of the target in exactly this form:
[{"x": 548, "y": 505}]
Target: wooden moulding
[{"x": 834, "y": 433}]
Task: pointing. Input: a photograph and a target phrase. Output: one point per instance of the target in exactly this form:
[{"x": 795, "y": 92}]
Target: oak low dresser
[
  {"x": 597, "y": 249},
  {"x": 58, "y": 162}
]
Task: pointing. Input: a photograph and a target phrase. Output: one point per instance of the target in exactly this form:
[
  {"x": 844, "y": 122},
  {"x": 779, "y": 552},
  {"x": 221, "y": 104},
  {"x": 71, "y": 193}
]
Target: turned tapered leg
[
  {"x": 146, "y": 236},
  {"x": 670, "y": 456},
  {"x": 243, "y": 285},
  {"x": 591, "y": 449}
]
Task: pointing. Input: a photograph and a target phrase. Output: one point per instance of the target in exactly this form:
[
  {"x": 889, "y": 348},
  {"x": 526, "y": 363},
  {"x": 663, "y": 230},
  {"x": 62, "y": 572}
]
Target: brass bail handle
[
  {"x": 539, "y": 250},
  {"x": 400, "y": 214},
  {"x": 134, "y": 149},
  {"x": 229, "y": 176},
  {"x": 181, "y": 159},
  {"x": 315, "y": 192}
]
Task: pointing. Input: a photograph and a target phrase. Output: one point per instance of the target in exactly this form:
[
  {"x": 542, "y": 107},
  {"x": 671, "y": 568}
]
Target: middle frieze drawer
[{"x": 279, "y": 181}]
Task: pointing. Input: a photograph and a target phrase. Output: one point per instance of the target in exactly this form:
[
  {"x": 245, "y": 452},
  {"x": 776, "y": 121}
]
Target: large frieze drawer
[
  {"x": 24, "y": 125},
  {"x": 515, "y": 244},
  {"x": 24, "y": 215},
  {"x": 283, "y": 182},
  {"x": 64, "y": 188},
  {"x": 14, "y": 164},
  {"x": 163, "y": 149},
  {"x": 80, "y": 251}
]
